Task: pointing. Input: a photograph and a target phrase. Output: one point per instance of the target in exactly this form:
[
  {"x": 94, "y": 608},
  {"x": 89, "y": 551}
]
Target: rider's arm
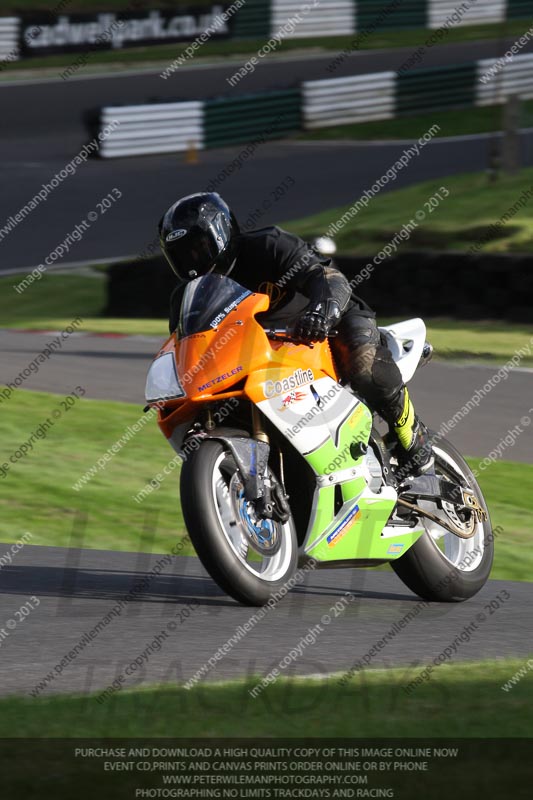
[{"x": 299, "y": 267}]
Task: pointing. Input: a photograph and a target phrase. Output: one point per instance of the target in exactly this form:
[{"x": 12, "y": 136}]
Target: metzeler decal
[
  {"x": 298, "y": 378},
  {"x": 219, "y": 378},
  {"x": 336, "y": 535}
]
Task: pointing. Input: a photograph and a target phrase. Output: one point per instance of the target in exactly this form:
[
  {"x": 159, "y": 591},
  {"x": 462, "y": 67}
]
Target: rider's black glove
[{"x": 317, "y": 321}]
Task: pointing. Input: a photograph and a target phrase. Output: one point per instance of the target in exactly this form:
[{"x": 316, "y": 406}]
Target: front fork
[{"x": 273, "y": 504}]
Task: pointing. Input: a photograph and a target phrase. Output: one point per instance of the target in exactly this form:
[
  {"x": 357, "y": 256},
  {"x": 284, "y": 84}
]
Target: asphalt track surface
[
  {"x": 77, "y": 588},
  {"x": 324, "y": 175}
]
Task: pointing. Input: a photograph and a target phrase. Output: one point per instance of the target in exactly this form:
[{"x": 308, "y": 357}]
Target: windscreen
[{"x": 207, "y": 301}]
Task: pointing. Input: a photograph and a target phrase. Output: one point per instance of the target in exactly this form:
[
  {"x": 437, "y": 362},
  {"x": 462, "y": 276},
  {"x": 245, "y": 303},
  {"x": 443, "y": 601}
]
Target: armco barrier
[
  {"x": 479, "y": 12},
  {"x": 327, "y": 18},
  {"x": 344, "y": 100},
  {"x": 514, "y": 77},
  {"x": 434, "y": 88},
  {"x": 174, "y": 127},
  {"x": 269, "y": 115},
  {"x": 9, "y": 38},
  {"x": 519, "y": 9},
  {"x": 385, "y": 15},
  {"x": 252, "y": 21},
  {"x": 155, "y": 128}
]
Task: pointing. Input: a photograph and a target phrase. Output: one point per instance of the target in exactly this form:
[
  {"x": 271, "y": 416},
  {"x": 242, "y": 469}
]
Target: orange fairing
[{"x": 210, "y": 364}]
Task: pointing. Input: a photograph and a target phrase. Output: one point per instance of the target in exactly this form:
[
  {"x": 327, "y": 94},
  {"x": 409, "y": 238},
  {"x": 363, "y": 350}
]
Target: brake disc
[
  {"x": 262, "y": 534},
  {"x": 463, "y": 528}
]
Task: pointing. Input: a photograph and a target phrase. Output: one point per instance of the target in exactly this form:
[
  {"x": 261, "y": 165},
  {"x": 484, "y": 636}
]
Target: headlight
[{"x": 162, "y": 382}]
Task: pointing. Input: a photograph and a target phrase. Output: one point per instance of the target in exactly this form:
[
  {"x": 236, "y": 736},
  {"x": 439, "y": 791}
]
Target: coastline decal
[{"x": 298, "y": 378}]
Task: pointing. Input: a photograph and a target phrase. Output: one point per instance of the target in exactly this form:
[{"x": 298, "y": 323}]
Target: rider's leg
[{"x": 368, "y": 366}]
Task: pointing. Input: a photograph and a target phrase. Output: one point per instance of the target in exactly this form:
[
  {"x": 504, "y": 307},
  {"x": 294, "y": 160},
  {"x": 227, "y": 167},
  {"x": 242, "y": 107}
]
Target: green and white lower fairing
[{"x": 326, "y": 424}]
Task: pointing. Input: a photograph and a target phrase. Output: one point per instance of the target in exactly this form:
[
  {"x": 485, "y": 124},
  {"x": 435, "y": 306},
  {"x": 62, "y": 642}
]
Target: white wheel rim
[
  {"x": 267, "y": 568},
  {"x": 464, "y": 554}
]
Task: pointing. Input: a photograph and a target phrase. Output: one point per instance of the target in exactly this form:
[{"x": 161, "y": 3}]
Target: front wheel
[
  {"x": 441, "y": 566},
  {"x": 249, "y": 557}
]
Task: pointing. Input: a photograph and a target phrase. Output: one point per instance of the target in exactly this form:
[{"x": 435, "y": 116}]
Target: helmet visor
[{"x": 192, "y": 251}]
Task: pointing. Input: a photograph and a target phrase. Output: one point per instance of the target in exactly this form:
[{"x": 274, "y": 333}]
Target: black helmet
[{"x": 198, "y": 234}]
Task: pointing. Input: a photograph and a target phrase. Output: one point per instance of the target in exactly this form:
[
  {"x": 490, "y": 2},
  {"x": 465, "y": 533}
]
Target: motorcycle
[{"x": 284, "y": 466}]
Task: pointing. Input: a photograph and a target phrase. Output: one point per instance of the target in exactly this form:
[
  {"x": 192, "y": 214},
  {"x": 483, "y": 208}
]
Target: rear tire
[
  {"x": 218, "y": 533},
  {"x": 440, "y": 566}
]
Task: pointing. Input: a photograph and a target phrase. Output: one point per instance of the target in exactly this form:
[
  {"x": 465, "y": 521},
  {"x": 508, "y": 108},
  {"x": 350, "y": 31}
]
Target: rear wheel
[
  {"x": 442, "y": 566},
  {"x": 248, "y": 556}
]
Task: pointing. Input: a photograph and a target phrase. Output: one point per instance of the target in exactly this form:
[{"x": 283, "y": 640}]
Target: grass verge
[
  {"x": 56, "y": 300},
  {"x": 37, "y": 494},
  {"x": 460, "y": 220},
  {"x": 38, "y": 489},
  {"x": 456, "y": 702}
]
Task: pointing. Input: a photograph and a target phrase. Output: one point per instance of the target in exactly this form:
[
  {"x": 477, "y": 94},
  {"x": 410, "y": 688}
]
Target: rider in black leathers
[{"x": 199, "y": 234}]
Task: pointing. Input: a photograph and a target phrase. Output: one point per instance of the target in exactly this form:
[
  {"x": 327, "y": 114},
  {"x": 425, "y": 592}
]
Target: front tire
[
  {"x": 248, "y": 557},
  {"x": 441, "y": 566}
]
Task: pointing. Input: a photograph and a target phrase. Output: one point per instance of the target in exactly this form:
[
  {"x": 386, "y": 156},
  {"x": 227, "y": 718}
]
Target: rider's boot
[{"x": 414, "y": 451}]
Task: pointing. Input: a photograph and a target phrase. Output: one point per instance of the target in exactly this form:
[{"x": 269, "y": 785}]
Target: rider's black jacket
[{"x": 277, "y": 263}]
